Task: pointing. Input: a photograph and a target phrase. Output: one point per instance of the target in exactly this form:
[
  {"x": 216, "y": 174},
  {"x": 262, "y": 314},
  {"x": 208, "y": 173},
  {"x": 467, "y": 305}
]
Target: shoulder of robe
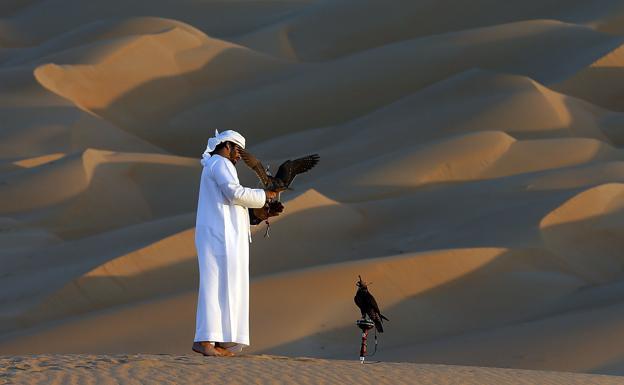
[{"x": 224, "y": 162}]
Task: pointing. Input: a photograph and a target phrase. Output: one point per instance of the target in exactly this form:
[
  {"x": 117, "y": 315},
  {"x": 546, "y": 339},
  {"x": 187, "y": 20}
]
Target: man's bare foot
[
  {"x": 223, "y": 351},
  {"x": 206, "y": 349}
]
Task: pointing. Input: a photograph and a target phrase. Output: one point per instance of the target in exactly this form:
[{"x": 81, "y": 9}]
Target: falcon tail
[
  {"x": 378, "y": 322},
  {"x": 378, "y": 325}
]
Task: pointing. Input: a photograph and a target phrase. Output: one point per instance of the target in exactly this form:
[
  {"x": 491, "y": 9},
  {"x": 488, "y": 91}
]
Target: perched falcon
[
  {"x": 285, "y": 174},
  {"x": 368, "y": 306}
]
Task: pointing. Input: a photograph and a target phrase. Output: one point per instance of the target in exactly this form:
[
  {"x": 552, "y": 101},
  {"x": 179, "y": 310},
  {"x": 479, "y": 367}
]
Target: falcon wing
[
  {"x": 375, "y": 307},
  {"x": 253, "y": 163},
  {"x": 289, "y": 169},
  {"x": 374, "y": 313},
  {"x": 372, "y": 303}
]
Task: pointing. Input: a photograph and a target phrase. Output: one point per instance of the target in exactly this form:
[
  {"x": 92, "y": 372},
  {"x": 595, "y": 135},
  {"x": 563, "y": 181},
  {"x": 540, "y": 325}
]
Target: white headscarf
[{"x": 229, "y": 135}]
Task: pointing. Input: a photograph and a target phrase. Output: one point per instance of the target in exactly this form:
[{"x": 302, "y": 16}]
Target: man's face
[{"x": 233, "y": 153}]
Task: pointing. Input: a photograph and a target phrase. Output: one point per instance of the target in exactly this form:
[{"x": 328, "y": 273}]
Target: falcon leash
[{"x": 266, "y": 232}]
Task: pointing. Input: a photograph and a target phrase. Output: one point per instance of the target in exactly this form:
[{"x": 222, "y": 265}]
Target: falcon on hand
[{"x": 286, "y": 172}]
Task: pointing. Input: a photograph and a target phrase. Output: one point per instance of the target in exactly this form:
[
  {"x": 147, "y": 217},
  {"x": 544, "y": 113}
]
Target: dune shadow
[{"x": 602, "y": 86}]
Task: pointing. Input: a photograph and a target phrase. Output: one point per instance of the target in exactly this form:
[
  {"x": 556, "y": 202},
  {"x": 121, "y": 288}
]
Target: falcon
[
  {"x": 286, "y": 173},
  {"x": 368, "y": 306}
]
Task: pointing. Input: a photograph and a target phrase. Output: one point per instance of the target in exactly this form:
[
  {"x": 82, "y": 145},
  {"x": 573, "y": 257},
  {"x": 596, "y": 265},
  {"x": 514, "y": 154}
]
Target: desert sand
[
  {"x": 262, "y": 369},
  {"x": 471, "y": 167}
]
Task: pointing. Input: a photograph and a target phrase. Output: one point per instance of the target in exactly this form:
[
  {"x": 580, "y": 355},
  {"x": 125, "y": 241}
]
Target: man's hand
[
  {"x": 270, "y": 195},
  {"x": 271, "y": 209}
]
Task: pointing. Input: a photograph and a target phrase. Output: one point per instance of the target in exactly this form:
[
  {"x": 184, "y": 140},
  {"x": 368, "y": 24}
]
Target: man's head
[
  {"x": 229, "y": 150},
  {"x": 226, "y": 144}
]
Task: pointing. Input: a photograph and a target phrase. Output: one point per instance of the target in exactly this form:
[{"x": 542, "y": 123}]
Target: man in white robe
[{"x": 222, "y": 236}]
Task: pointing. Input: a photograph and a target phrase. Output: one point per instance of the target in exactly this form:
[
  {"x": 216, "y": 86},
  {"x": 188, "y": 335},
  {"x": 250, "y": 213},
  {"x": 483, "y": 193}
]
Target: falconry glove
[{"x": 271, "y": 209}]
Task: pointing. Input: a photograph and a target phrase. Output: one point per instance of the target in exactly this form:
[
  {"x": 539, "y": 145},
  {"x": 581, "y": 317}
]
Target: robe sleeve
[{"x": 224, "y": 175}]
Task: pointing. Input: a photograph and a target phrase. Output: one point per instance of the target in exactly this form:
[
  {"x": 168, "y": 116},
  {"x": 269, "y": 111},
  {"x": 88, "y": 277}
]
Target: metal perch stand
[{"x": 365, "y": 325}]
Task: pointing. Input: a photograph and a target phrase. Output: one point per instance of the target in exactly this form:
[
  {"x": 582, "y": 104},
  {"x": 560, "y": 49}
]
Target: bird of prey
[
  {"x": 286, "y": 173},
  {"x": 368, "y": 306}
]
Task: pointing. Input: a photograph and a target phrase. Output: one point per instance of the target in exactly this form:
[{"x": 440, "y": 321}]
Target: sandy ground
[
  {"x": 471, "y": 168},
  {"x": 262, "y": 369}
]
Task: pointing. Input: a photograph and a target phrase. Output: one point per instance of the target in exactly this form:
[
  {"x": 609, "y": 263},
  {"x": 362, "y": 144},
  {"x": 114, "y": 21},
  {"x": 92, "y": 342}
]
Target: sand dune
[
  {"x": 126, "y": 192},
  {"x": 37, "y": 122},
  {"x": 412, "y": 276},
  {"x": 582, "y": 339},
  {"x": 611, "y": 23},
  {"x": 349, "y": 32},
  {"x": 586, "y": 175},
  {"x": 400, "y": 69},
  {"x": 471, "y": 167},
  {"x": 166, "y": 56},
  {"x": 586, "y": 229},
  {"x": 600, "y": 82},
  {"x": 32, "y": 24},
  {"x": 474, "y": 156},
  {"x": 41, "y": 130},
  {"x": 78, "y": 45},
  {"x": 39, "y": 271},
  {"x": 473, "y": 101},
  {"x": 160, "y": 267},
  {"x": 482, "y": 100},
  {"x": 128, "y": 188}
]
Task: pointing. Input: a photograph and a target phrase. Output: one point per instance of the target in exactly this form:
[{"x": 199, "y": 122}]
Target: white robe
[{"x": 222, "y": 237}]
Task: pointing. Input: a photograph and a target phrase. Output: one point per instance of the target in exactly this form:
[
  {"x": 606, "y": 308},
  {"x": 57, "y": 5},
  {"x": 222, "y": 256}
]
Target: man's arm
[{"x": 232, "y": 190}]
